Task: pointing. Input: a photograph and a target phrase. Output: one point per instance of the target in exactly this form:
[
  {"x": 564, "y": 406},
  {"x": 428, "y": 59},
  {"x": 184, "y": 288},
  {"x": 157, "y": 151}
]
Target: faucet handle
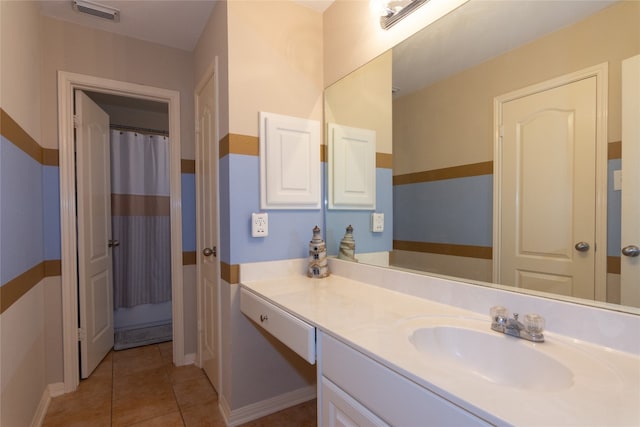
[
  {"x": 499, "y": 314},
  {"x": 534, "y": 324}
]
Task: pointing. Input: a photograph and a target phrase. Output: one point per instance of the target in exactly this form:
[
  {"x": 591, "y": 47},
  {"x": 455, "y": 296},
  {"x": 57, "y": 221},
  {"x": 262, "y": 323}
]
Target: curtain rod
[{"x": 139, "y": 130}]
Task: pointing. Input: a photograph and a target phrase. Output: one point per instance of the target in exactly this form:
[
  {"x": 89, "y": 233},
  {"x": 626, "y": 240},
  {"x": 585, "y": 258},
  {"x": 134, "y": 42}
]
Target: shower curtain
[{"x": 140, "y": 218}]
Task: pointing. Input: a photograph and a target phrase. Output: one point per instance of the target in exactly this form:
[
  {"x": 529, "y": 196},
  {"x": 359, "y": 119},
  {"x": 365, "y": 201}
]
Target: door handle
[
  {"x": 210, "y": 251},
  {"x": 113, "y": 243},
  {"x": 631, "y": 250},
  {"x": 582, "y": 246}
]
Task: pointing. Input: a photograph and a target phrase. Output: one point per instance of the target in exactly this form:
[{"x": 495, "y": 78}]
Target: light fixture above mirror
[{"x": 392, "y": 11}]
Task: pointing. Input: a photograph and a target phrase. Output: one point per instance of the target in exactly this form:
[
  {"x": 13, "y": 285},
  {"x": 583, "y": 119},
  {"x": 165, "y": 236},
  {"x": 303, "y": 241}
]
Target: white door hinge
[
  {"x": 82, "y": 334},
  {"x": 501, "y": 131},
  {"x": 76, "y": 121}
]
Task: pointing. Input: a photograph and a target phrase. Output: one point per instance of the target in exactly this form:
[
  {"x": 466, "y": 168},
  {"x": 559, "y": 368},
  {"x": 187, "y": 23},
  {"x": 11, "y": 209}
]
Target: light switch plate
[
  {"x": 377, "y": 222},
  {"x": 259, "y": 224}
]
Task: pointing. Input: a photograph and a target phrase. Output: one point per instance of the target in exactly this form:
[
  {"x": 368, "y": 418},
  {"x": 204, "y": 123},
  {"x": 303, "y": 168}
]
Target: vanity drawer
[{"x": 296, "y": 334}]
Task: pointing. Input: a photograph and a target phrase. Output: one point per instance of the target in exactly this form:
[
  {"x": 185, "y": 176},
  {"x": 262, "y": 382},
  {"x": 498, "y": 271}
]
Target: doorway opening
[
  {"x": 68, "y": 83},
  {"x": 140, "y": 223}
]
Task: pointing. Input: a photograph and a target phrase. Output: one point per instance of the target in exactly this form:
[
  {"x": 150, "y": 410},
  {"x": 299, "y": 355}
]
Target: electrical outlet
[
  {"x": 259, "y": 224},
  {"x": 617, "y": 180},
  {"x": 377, "y": 222}
]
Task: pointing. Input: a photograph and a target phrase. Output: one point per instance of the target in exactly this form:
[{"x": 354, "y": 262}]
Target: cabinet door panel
[{"x": 341, "y": 410}]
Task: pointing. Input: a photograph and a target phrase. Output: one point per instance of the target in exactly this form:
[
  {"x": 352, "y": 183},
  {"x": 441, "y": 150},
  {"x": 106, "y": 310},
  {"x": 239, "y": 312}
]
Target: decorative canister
[
  {"x": 318, "y": 267},
  {"x": 348, "y": 246}
]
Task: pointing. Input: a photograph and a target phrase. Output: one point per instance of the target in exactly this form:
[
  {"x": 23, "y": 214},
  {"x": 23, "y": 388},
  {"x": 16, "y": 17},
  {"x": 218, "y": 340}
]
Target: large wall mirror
[{"x": 434, "y": 100}]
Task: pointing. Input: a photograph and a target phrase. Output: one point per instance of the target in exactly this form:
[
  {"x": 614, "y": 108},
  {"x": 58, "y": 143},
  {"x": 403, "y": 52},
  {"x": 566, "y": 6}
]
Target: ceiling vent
[{"x": 96, "y": 9}]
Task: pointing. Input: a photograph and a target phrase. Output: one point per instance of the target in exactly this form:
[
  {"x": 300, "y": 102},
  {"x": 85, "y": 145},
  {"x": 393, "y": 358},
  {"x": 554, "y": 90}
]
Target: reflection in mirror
[
  {"x": 445, "y": 81},
  {"x": 394, "y": 10},
  {"x": 363, "y": 100}
]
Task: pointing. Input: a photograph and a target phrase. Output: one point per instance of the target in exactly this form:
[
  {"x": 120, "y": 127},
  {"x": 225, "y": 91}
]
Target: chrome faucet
[{"x": 530, "y": 330}]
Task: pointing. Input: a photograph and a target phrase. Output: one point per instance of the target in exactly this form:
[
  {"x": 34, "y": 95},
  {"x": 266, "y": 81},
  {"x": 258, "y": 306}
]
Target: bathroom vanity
[{"x": 394, "y": 355}]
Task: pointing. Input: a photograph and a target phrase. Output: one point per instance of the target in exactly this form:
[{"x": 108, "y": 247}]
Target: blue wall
[
  {"x": 366, "y": 240},
  {"x": 188, "y": 212},
  {"x": 289, "y": 230},
  {"x": 30, "y": 212},
  {"x": 21, "y": 211},
  {"x": 457, "y": 211},
  {"x": 613, "y": 211}
]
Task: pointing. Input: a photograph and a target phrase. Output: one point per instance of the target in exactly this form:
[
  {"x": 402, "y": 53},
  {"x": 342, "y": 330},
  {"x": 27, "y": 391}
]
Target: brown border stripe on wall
[
  {"x": 239, "y": 144},
  {"x": 230, "y": 273},
  {"x": 483, "y": 252},
  {"x": 136, "y": 205},
  {"x": 384, "y": 160},
  {"x": 250, "y": 146},
  {"x": 614, "y": 264},
  {"x": 20, "y": 138},
  {"x": 187, "y": 166},
  {"x": 52, "y": 268},
  {"x": 614, "y": 150},
  {"x": 189, "y": 258},
  {"x": 473, "y": 169},
  {"x": 20, "y": 285}
]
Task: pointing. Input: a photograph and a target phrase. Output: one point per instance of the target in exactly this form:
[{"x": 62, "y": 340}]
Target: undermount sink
[{"x": 496, "y": 358}]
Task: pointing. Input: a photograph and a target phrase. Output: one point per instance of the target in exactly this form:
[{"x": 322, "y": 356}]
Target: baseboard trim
[
  {"x": 189, "y": 359},
  {"x": 56, "y": 389},
  {"x": 265, "y": 407}
]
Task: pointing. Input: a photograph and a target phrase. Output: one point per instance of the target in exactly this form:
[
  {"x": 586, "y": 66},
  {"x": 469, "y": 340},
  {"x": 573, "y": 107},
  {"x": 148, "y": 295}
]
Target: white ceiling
[{"x": 173, "y": 23}]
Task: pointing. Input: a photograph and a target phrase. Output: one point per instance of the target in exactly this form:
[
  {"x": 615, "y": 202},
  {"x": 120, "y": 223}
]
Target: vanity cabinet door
[
  {"x": 341, "y": 410},
  {"x": 389, "y": 395}
]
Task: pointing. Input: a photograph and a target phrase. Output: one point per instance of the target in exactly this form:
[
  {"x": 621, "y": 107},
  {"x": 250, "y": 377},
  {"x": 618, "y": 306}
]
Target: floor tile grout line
[
  {"x": 113, "y": 390},
  {"x": 168, "y": 368}
]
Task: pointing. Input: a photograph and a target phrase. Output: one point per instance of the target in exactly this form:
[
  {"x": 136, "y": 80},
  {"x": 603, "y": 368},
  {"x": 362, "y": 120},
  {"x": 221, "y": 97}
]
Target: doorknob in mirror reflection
[{"x": 631, "y": 251}]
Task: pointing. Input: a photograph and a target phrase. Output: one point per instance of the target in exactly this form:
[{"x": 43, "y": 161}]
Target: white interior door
[
  {"x": 630, "y": 237},
  {"x": 548, "y": 190},
  {"x": 94, "y": 232},
  {"x": 207, "y": 233}
]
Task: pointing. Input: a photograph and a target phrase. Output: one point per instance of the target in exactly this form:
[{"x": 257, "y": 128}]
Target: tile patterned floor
[{"x": 141, "y": 387}]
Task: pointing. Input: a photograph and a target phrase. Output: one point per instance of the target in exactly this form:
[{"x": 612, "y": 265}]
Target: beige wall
[
  {"x": 275, "y": 62},
  {"x": 353, "y": 37},
  {"x": 22, "y": 333},
  {"x": 476, "y": 269},
  {"x": 213, "y": 43},
  {"x": 79, "y": 49},
  {"x": 20, "y": 65},
  {"x": 23, "y": 326},
  {"x": 269, "y": 59},
  {"x": 363, "y": 100},
  {"x": 451, "y": 122}
]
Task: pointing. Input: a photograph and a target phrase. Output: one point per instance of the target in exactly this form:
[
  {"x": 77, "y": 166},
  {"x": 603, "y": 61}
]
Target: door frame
[
  {"x": 67, "y": 83},
  {"x": 210, "y": 73},
  {"x": 601, "y": 73}
]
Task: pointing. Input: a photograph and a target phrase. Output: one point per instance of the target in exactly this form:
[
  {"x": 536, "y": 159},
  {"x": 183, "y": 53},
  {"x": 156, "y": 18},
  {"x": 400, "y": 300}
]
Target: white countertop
[{"x": 605, "y": 390}]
